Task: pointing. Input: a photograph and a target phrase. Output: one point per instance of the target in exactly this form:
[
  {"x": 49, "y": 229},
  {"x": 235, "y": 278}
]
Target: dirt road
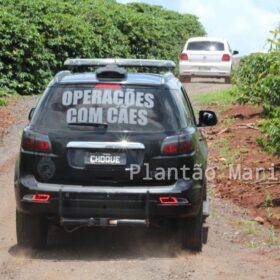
[
  {"x": 232, "y": 252},
  {"x": 205, "y": 85}
]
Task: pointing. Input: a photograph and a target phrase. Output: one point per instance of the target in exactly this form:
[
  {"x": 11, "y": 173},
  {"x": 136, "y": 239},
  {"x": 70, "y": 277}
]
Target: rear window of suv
[
  {"x": 86, "y": 107},
  {"x": 205, "y": 46}
]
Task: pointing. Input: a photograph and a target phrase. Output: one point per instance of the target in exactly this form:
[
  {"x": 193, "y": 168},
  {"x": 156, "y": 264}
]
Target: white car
[{"x": 206, "y": 57}]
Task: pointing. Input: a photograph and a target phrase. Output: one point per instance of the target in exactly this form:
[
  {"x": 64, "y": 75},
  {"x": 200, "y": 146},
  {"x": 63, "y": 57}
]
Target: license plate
[
  {"x": 106, "y": 159},
  {"x": 204, "y": 68}
]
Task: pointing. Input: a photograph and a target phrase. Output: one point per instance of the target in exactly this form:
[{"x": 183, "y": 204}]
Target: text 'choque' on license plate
[{"x": 106, "y": 159}]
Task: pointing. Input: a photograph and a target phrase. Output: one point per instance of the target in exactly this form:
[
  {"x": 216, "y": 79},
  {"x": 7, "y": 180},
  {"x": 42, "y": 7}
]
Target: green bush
[
  {"x": 24, "y": 61},
  {"x": 271, "y": 141},
  {"x": 38, "y": 35},
  {"x": 4, "y": 94},
  {"x": 258, "y": 82}
]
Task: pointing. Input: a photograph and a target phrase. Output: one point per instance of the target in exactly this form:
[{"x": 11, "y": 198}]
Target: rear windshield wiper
[{"x": 105, "y": 125}]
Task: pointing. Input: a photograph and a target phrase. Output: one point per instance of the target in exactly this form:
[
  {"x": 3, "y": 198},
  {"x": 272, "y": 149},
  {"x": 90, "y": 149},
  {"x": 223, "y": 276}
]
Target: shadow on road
[{"x": 104, "y": 245}]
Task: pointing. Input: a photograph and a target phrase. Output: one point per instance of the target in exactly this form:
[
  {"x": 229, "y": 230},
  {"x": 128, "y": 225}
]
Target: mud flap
[
  {"x": 205, "y": 209},
  {"x": 205, "y": 229}
]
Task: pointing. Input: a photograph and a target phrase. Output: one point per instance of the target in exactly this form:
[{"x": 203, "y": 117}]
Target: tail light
[
  {"x": 226, "y": 57},
  {"x": 168, "y": 200},
  {"x": 179, "y": 144},
  {"x": 41, "y": 197},
  {"x": 34, "y": 141},
  {"x": 184, "y": 56}
]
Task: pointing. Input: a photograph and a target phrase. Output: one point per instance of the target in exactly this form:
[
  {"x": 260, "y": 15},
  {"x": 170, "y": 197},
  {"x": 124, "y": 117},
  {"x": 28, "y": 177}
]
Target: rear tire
[
  {"x": 227, "y": 80},
  {"x": 191, "y": 232},
  {"x": 185, "y": 79},
  {"x": 31, "y": 230}
]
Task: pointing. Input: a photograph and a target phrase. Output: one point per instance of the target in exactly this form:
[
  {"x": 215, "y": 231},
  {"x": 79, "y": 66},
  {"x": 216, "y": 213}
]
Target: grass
[
  {"x": 273, "y": 238},
  {"x": 4, "y": 94},
  {"x": 257, "y": 234},
  {"x": 250, "y": 227},
  {"x": 220, "y": 97},
  {"x": 229, "y": 120},
  {"x": 3, "y": 101},
  {"x": 226, "y": 152},
  {"x": 267, "y": 205}
]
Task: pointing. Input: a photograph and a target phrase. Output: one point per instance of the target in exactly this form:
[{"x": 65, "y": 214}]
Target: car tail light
[
  {"x": 168, "y": 200},
  {"x": 226, "y": 57},
  {"x": 35, "y": 141},
  {"x": 112, "y": 86},
  {"x": 184, "y": 56},
  {"x": 41, "y": 197},
  {"x": 173, "y": 145}
]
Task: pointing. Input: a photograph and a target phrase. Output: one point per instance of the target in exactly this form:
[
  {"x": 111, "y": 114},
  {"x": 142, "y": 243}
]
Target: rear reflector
[
  {"x": 226, "y": 57},
  {"x": 110, "y": 86},
  {"x": 168, "y": 200},
  {"x": 41, "y": 197},
  {"x": 184, "y": 56}
]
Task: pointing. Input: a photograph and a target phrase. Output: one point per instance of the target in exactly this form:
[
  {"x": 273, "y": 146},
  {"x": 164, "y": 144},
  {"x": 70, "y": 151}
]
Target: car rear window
[
  {"x": 205, "y": 46},
  {"x": 84, "y": 107}
]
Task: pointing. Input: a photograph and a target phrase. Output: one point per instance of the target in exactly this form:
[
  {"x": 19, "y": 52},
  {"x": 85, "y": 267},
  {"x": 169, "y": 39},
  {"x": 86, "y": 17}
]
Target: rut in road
[{"x": 121, "y": 253}]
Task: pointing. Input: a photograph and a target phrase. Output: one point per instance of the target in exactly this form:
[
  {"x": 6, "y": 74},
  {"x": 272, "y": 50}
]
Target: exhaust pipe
[{"x": 102, "y": 222}]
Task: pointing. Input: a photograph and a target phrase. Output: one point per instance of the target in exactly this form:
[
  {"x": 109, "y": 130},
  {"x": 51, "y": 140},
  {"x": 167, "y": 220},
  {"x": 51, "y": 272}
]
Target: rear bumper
[
  {"x": 221, "y": 69},
  {"x": 137, "y": 202}
]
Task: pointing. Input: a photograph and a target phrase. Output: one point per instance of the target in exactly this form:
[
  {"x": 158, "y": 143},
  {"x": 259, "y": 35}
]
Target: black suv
[{"x": 107, "y": 148}]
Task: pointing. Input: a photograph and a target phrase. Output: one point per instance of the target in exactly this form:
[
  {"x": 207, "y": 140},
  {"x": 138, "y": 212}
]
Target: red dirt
[
  {"x": 238, "y": 145},
  {"x": 7, "y": 117}
]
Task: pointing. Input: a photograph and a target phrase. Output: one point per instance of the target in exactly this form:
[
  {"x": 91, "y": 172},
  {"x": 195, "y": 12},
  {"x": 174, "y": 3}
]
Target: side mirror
[
  {"x": 207, "y": 118},
  {"x": 235, "y": 52},
  {"x": 31, "y": 113}
]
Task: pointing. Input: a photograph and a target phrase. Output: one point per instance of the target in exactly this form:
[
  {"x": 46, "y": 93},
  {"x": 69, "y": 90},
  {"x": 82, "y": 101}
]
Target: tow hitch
[{"x": 103, "y": 222}]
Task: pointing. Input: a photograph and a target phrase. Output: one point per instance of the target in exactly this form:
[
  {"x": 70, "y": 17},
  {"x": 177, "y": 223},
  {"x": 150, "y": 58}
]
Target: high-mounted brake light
[
  {"x": 109, "y": 86},
  {"x": 168, "y": 200},
  {"x": 226, "y": 57},
  {"x": 41, "y": 197},
  {"x": 34, "y": 141},
  {"x": 184, "y": 56},
  {"x": 173, "y": 145}
]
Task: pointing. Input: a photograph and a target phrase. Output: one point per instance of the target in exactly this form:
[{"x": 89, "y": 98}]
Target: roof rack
[
  {"x": 133, "y": 63},
  {"x": 60, "y": 75}
]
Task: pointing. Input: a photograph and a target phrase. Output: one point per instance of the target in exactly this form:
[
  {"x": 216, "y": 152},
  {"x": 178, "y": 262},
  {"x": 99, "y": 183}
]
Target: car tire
[
  {"x": 31, "y": 230},
  {"x": 185, "y": 79},
  {"x": 227, "y": 80},
  {"x": 191, "y": 232}
]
